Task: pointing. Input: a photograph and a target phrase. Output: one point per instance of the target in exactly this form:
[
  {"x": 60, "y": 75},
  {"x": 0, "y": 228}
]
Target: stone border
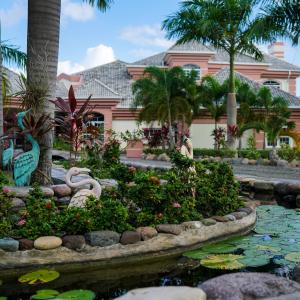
[{"x": 157, "y": 248}]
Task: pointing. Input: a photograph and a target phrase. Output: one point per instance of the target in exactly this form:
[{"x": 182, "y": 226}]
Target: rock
[
  {"x": 165, "y": 293},
  {"x": 147, "y": 233},
  {"x": 247, "y": 210},
  {"x": 294, "y": 296},
  {"x": 130, "y": 237},
  {"x": 17, "y": 204},
  {"x": 241, "y": 286},
  {"x": 63, "y": 200},
  {"x": 266, "y": 162},
  {"x": 61, "y": 190},
  {"x": 294, "y": 164},
  {"x": 192, "y": 225},
  {"x": 296, "y": 274},
  {"x": 163, "y": 157},
  {"x": 220, "y": 218},
  {"x": 208, "y": 222},
  {"x": 282, "y": 163},
  {"x": 73, "y": 242},
  {"x": 26, "y": 244},
  {"x": 102, "y": 238},
  {"x": 252, "y": 204},
  {"x": 230, "y": 217},
  {"x": 217, "y": 158},
  {"x": 288, "y": 201},
  {"x": 169, "y": 228},
  {"x": 298, "y": 201},
  {"x": 47, "y": 242},
  {"x": 239, "y": 215},
  {"x": 265, "y": 186},
  {"x": 108, "y": 183},
  {"x": 151, "y": 157},
  {"x": 22, "y": 192},
  {"x": 9, "y": 245},
  {"x": 245, "y": 161},
  {"x": 252, "y": 162},
  {"x": 236, "y": 161}
]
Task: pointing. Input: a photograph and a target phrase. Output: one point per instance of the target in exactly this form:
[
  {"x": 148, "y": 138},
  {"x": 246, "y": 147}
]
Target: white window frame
[
  {"x": 191, "y": 67},
  {"x": 272, "y": 83},
  {"x": 291, "y": 142},
  {"x": 97, "y": 123}
]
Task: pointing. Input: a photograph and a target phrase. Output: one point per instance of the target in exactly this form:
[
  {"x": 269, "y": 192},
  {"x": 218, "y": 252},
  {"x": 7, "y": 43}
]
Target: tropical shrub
[
  {"x": 111, "y": 150},
  {"x": 202, "y": 152},
  {"x": 6, "y": 223},
  {"x": 286, "y": 152}
]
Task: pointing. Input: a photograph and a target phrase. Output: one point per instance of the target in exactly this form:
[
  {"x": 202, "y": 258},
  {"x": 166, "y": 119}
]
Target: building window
[
  {"x": 272, "y": 83},
  {"x": 188, "y": 68},
  {"x": 97, "y": 120},
  {"x": 281, "y": 140}
]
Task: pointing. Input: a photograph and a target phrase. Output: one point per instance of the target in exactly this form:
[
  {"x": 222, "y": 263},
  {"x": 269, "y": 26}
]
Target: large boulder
[
  {"x": 169, "y": 228},
  {"x": 61, "y": 190},
  {"x": 147, "y": 232},
  {"x": 102, "y": 238},
  {"x": 8, "y": 244},
  {"x": 23, "y": 192},
  {"x": 165, "y": 293},
  {"x": 73, "y": 242},
  {"x": 242, "y": 286},
  {"x": 26, "y": 244},
  {"x": 130, "y": 237},
  {"x": 47, "y": 242}
]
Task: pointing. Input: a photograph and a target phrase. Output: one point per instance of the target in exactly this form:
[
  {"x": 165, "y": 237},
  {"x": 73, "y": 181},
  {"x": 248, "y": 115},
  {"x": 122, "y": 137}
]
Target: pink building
[{"x": 110, "y": 84}]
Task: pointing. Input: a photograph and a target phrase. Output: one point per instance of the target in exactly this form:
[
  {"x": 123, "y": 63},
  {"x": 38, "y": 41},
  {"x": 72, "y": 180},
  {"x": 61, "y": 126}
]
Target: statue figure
[
  {"x": 79, "y": 199},
  {"x": 187, "y": 148},
  {"x": 8, "y": 155},
  {"x": 26, "y": 163}
]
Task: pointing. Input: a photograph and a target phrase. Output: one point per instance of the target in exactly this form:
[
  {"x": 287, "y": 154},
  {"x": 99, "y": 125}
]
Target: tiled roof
[
  {"x": 13, "y": 79},
  {"x": 154, "y": 60},
  {"x": 192, "y": 46},
  {"x": 292, "y": 101}
]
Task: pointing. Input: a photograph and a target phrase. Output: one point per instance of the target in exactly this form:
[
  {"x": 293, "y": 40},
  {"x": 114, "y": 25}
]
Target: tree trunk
[
  {"x": 1, "y": 105},
  {"x": 231, "y": 106},
  {"x": 42, "y": 55}
]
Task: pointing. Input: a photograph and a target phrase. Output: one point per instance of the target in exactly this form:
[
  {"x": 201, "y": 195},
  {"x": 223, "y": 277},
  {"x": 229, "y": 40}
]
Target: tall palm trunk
[
  {"x": 42, "y": 54},
  {"x": 231, "y": 105}
]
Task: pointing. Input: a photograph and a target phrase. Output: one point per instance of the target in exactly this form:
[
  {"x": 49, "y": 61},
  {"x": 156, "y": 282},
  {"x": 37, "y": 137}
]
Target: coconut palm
[
  {"x": 225, "y": 24},
  {"x": 163, "y": 96},
  {"x": 42, "y": 51}
]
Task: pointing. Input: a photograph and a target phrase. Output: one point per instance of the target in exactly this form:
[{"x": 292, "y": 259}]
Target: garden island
[{"x": 176, "y": 176}]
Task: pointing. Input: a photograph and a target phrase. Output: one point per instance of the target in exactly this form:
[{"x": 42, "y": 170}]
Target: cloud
[
  {"x": 77, "y": 11},
  {"x": 142, "y": 52},
  {"x": 94, "y": 56},
  {"x": 13, "y": 15},
  {"x": 145, "y": 35}
]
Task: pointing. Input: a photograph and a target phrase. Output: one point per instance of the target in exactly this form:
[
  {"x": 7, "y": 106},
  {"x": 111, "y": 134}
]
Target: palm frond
[
  {"x": 12, "y": 55},
  {"x": 102, "y": 5}
]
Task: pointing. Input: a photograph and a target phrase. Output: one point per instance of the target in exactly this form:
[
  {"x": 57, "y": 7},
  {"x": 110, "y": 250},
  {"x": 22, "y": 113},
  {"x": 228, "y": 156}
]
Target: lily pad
[
  {"x": 196, "y": 254},
  {"x": 77, "y": 295},
  {"x": 258, "y": 261},
  {"x": 45, "y": 294},
  {"x": 223, "y": 262},
  {"x": 40, "y": 276},
  {"x": 293, "y": 256},
  {"x": 267, "y": 248},
  {"x": 219, "y": 248}
]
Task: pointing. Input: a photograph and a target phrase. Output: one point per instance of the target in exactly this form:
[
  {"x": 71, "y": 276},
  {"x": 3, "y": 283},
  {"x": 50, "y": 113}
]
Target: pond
[{"x": 273, "y": 246}]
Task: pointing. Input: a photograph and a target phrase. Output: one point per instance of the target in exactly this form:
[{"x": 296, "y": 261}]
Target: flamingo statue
[
  {"x": 8, "y": 155},
  {"x": 27, "y": 162},
  {"x": 79, "y": 199}
]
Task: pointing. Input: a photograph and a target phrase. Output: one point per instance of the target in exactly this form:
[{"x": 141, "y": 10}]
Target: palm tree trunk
[
  {"x": 42, "y": 54},
  {"x": 231, "y": 105}
]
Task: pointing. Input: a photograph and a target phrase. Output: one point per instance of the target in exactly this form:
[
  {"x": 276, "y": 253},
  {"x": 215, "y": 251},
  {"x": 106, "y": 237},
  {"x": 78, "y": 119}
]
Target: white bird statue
[{"x": 79, "y": 199}]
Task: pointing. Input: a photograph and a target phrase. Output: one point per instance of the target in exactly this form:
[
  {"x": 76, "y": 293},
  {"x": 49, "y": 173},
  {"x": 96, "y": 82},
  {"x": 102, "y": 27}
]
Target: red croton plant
[{"x": 72, "y": 120}]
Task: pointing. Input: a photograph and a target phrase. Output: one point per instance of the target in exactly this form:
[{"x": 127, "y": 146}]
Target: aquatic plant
[{"x": 39, "y": 276}]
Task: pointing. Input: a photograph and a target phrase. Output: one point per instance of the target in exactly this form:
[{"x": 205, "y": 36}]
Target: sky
[{"x": 130, "y": 30}]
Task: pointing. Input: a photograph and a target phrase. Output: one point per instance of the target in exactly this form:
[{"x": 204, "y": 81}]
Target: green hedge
[
  {"x": 212, "y": 152},
  {"x": 246, "y": 153}
]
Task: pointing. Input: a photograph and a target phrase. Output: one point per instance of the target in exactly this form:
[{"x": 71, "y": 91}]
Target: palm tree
[
  {"x": 42, "y": 51},
  {"x": 163, "y": 96},
  {"x": 284, "y": 17},
  {"x": 228, "y": 25}
]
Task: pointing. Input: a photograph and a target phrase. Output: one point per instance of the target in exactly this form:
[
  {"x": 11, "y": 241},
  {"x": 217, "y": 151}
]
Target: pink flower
[
  {"x": 21, "y": 222},
  {"x": 176, "y": 205},
  {"x": 5, "y": 190}
]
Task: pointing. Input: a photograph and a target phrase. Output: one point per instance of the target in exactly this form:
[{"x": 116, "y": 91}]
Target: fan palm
[
  {"x": 163, "y": 96},
  {"x": 225, "y": 24},
  {"x": 42, "y": 50}
]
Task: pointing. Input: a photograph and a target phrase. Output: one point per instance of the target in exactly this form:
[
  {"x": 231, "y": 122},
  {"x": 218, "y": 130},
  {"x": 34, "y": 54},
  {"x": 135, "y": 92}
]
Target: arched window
[
  {"x": 188, "y": 68},
  {"x": 272, "y": 83},
  {"x": 97, "y": 120}
]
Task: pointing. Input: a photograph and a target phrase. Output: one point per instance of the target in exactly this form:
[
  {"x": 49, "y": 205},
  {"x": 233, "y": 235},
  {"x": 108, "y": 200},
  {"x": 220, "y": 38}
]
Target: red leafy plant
[{"x": 72, "y": 120}]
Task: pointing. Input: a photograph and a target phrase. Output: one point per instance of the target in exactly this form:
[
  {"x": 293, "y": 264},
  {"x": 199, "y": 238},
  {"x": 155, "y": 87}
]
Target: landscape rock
[
  {"x": 298, "y": 201},
  {"x": 26, "y": 244},
  {"x": 73, "y": 242},
  {"x": 220, "y": 218},
  {"x": 63, "y": 200},
  {"x": 208, "y": 222},
  {"x": 230, "y": 217},
  {"x": 169, "y": 228},
  {"x": 296, "y": 274},
  {"x": 151, "y": 157},
  {"x": 282, "y": 163},
  {"x": 108, "y": 183},
  {"x": 47, "y": 242},
  {"x": 163, "y": 157},
  {"x": 294, "y": 164},
  {"x": 17, "y": 204},
  {"x": 102, "y": 238},
  {"x": 130, "y": 237},
  {"x": 245, "y": 161},
  {"x": 147, "y": 233},
  {"x": 192, "y": 225},
  {"x": 288, "y": 201},
  {"x": 165, "y": 293},
  {"x": 247, "y": 210},
  {"x": 9, "y": 245},
  {"x": 61, "y": 190},
  {"x": 265, "y": 186},
  {"x": 294, "y": 296},
  {"x": 241, "y": 286},
  {"x": 22, "y": 192},
  {"x": 239, "y": 215},
  {"x": 252, "y": 162}
]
